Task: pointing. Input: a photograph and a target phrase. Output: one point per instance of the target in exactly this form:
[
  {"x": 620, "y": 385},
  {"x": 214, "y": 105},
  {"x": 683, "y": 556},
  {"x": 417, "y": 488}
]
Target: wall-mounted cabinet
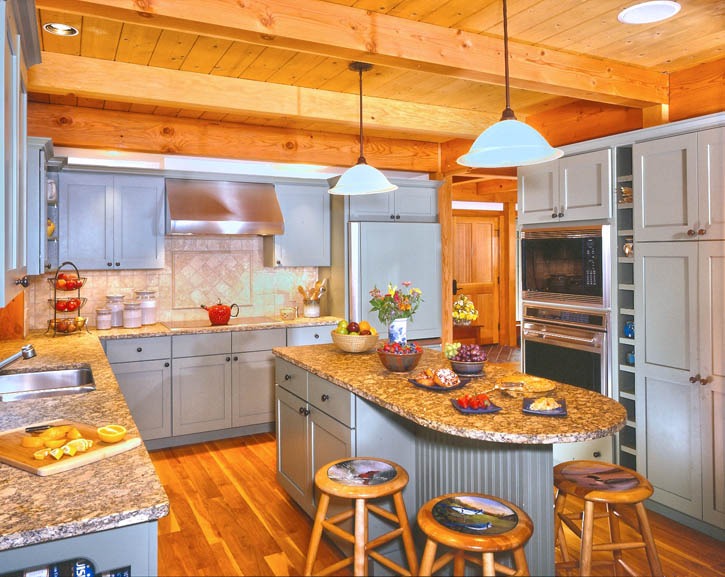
[
  {"x": 415, "y": 201},
  {"x": 576, "y": 187},
  {"x": 111, "y": 221}
]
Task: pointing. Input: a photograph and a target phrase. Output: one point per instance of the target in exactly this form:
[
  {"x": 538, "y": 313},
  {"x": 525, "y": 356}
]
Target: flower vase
[
  {"x": 461, "y": 322},
  {"x": 397, "y": 331}
]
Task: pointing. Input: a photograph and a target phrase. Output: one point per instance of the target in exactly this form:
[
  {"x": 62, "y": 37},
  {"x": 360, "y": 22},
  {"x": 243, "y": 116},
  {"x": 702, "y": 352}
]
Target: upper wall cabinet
[
  {"x": 679, "y": 185},
  {"x": 111, "y": 221},
  {"x": 415, "y": 201},
  {"x": 306, "y": 239},
  {"x": 575, "y": 187}
]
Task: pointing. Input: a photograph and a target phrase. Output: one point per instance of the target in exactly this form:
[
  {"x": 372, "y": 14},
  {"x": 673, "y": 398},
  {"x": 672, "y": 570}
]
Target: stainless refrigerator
[{"x": 380, "y": 253}]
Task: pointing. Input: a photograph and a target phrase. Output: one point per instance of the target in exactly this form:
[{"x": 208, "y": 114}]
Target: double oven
[{"x": 565, "y": 295}]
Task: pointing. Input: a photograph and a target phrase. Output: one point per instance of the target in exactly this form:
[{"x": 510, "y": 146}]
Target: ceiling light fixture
[
  {"x": 649, "y": 12},
  {"x": 60, "y": 29},
  {"x": 361, "y": 178},
  {"x": 509, "y": 142}
]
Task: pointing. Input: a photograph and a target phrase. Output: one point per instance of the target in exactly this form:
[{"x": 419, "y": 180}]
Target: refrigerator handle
[{"x": 455, "y": 286}]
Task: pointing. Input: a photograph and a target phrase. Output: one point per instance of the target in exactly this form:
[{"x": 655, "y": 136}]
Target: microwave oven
[{"x": 566, "y": 265}]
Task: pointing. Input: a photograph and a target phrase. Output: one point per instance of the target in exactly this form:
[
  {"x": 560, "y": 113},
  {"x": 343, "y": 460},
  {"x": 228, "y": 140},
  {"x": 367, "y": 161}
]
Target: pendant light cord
[
  {"x": 361, "y": 159},
  {"x": 507, "y": 114}
]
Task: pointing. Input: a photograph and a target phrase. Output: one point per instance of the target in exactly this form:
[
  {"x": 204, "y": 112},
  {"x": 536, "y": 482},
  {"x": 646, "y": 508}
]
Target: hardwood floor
[{"x": 229, "y": 517}]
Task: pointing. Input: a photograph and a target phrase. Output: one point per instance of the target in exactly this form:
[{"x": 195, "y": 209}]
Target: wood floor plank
[{"x": 230, "y": 517}]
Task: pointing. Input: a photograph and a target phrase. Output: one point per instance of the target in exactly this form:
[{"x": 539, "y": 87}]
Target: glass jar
[
  {"x": 115, "y": 303},
  {"x": 103, "y": 319},
  {"x": 310, "y": 308},
  {"x": 132, "y": 314},
  {"x": 147, "y": 298}
]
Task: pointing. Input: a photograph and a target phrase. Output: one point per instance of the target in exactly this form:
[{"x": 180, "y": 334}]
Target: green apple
[
  {"x": 342, "y": 324},
  {"x": 341, "y": 330}
]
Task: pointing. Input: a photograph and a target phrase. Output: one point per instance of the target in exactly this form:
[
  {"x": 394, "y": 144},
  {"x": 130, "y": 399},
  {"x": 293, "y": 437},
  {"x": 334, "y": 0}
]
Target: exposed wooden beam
[
  {"x": 698, "y": 90},
  {"x": 489, "y": 191},
  {"x": 114, "y": 130},
  {"x": 344, "y": 32},
  {"x": 63, "y": 74}
]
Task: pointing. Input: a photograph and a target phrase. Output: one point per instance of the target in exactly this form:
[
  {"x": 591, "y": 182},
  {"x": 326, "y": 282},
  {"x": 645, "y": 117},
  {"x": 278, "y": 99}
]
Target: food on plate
[
  {"x": 446, "y": 378},
  {"x": 479, "y": 401},
  {"x": 56, "y": 442},
  {"x": 32, "y": 442},
  {"x": 544, "y": 404},
  {"x": 539, "y": 387},
  {"x": 424, "y": 378}
]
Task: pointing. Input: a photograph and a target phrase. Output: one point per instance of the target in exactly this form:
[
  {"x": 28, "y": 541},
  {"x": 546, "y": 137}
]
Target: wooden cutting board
[{"x": 13, "y": 453}]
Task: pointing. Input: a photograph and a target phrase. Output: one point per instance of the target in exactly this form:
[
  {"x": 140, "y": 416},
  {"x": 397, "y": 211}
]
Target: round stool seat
[
  {"x": 361, "y": 478},
  {"x": 474, "y": 522},
  {"x": 601, "y": 482}
]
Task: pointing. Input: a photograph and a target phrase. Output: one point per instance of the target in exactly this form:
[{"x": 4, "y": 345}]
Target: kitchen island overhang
[{"x": 507, "y": 454}]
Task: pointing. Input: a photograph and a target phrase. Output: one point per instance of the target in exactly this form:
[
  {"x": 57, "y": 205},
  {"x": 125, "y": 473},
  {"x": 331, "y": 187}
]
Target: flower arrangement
[
  {"x": 397, "y": 303},
  {"x": 464, "y": 312}
]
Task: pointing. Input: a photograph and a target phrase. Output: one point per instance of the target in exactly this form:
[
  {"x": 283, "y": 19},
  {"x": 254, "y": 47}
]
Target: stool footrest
[
  {"x": 335, "y": 567},
  {"x": 349, "y": 537},
  {"x": 380, "y": 512},
  {"x": 618, "y": 546},
  {"x": 390, "y": 564}
]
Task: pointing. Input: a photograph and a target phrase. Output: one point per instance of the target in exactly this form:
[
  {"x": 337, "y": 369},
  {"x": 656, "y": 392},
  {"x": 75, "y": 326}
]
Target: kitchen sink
[{"x": 52, "y": 383}]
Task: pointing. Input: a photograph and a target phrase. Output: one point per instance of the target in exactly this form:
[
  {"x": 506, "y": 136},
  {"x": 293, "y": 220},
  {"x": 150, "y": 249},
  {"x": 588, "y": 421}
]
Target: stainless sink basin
[{"x": 53, "y": 383}]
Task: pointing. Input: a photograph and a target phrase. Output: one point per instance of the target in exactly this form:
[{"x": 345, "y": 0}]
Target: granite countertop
[
  {"x": 590, "y": 415},
  {"x": 114, "y": 492}
]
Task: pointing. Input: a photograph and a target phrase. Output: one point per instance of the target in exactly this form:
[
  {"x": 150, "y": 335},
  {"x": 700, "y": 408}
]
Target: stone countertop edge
[
  {"x": 117, "y": 491},
  {"x": 590, "y": 415}
]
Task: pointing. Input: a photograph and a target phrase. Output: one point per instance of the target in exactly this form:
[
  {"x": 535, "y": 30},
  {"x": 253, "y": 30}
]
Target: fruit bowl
[
  {"x": 67, "y": 284},
  {"x": 67, "y": 305},
  {"x": 399, "y": 363},
  {"x": 354, "y": 343},
  {"x": 467, "y": 368}
]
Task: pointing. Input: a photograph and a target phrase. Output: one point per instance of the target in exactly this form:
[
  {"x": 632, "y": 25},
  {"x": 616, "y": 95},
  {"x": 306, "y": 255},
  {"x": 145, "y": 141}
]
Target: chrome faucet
[{"x": 27, "y": 352}]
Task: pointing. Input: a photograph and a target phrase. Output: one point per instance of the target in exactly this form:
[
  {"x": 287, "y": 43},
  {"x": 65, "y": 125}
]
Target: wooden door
[{"x": 476, "y": 263}]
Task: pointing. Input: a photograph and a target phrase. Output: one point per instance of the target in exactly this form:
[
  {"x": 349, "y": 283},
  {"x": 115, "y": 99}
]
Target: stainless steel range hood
[{"x": 222, "y": 207}]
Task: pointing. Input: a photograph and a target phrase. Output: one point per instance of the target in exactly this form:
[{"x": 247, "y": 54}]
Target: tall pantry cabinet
[{"x": 679, "y": 230}]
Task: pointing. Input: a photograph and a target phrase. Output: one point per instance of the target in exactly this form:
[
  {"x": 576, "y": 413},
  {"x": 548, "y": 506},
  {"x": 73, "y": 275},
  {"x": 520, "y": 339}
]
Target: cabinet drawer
[
  {"x": 333, "y": 400},
  {"x": 261, "y": 340},
  {"x": 317, "y": 335},
  {"x": 198, "y": 345},
  {"x": 141, "y": 349},
  {"x": 291, "y": 377}
]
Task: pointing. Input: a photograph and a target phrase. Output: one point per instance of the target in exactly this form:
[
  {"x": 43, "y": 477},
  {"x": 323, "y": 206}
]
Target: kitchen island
[{"x": 508, "y": 453}]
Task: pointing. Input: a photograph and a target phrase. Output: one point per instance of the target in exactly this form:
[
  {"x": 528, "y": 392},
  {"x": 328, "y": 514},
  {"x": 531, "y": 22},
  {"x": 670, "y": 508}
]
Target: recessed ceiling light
[
  {"x": 648, "y": 12},
  {"x": 60, "y": 29}
]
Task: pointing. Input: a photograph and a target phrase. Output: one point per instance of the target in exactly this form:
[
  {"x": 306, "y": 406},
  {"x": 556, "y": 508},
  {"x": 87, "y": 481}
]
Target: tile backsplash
[{"x": 198, "y": 270}]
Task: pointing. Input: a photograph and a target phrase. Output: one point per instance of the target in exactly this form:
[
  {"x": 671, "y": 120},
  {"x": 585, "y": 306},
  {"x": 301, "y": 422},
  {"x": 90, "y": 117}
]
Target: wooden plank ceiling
[{"x": 438, "y": 71}]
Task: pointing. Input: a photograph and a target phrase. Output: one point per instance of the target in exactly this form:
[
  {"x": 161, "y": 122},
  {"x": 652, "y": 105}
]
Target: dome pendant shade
[
  {"x": 509, "y": 143},
  {"x": 362, "y": 179}
]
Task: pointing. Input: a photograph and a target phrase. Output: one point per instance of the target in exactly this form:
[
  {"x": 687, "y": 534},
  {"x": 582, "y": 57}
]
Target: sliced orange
[
  {"x": 73, "y": 433},
  {"x": 41, "y": 454},
  {"x": 32, "y": 442},
  {"x": 55, "y": 432},
  {"x": 69, "y": 449},
  {"x": 79, "y": 445},
  {"x": 56, "y": 453},
  {"x": 54, "y": 443},
  {"x": 111, "y": 433}
]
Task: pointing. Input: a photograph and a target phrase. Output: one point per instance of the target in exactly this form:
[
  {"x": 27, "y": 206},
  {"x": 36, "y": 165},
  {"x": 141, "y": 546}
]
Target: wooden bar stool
[
  {"x": 473, "y": 522},
  {"x": 618, "y": 489},
  {"x": 362, "y": 479}
]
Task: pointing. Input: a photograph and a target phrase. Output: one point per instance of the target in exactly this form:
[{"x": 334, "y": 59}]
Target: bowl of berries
[
  {"x": 399, "y": 358},
  {"x": 466, "y": 359}
]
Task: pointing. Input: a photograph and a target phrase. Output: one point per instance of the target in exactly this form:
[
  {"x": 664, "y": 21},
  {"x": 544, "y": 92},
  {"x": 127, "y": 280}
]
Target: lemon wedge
[
  {"x": 54, "y": 443},
  {"x": 79, "y": 445},
  {"x": 56, "y": 453},
  {"x": 41, "y": 454},
  {"x": 111, "y": 433},
  {"x": 73, "y": 433}
]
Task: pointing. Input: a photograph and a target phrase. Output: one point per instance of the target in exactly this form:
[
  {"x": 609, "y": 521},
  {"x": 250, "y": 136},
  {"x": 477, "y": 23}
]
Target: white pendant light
[
  {"x": 362, "y": 178},
  {"x": 508, "y": 142}
]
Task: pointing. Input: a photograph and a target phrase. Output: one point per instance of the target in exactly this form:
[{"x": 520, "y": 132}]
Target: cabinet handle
[
  {"x": 691, "y": 232},
  {"x": 397, "y": 217},
  {"x": 109, "y": 264},
  {"x": 392, "y": 217},
  {"x": 304, "y": 411},
  {"x": 167, "y": 364},
  {"x": 696, "y": 379},
  {"x": 118, "y": 263},
  {"x": 24, "y": 281},
  {"x": 701, "y": 231},
  {"x": 596, "y": 454},
  {"x": 317, "y": 336},
  {"x": 561, "y": 215},
  {"x": 229, "y": 359},
  {"x": 48, "y": 266},
  {"x": 324, "y": 398},
  {"x": 279, "y": 262},
  {"x": 553, "y": 214},
  {"x": 236, "y": 358},
  {"x": 287, "y": 377},
  {"x": 138, "y": 349}
]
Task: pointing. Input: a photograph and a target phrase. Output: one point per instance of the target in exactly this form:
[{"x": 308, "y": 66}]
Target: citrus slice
[
  {"x": 56, "y": 453},
  {"x": 54, "y": 443},
  {"x": 79, "y": 445},
  {"x": 32, "y": 442},
  {"x": 41, "y": 454},
  {"x": 111, "y": 433},
  {"x": 55, "y": 432},
  {"x": 69, "y": 450},
  {"x": 73, "y": 433}
]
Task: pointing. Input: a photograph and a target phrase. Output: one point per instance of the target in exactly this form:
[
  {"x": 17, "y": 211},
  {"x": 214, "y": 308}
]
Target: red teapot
[{"x": 220, "y": 314}]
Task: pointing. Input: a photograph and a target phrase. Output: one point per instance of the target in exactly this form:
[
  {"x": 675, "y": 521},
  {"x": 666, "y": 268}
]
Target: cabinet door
[
  {"x": 711, "y": 183},
  {"x": 306, "y": 238},
  {"x": 293, "y": 468},
  {"x": 329, "y": 440},
  {"x": 146, "y": 385},
  {"x": 373, "y": 207},
  {"x": 712, "y": 370},
  {"x": 252, "y": 388},
  {"x": 667, "y": 403},
  {"x": 665, "y": 188},
  {"x": 138, "y": 222},
  {"x": 585, "y": 186},
  {"x": 202, "y": 390},
  {"x": 539, "y": 193},
  {"x": 416, "y": 203},
  {"x": 85, "y": 203},
  {"x": 316, "y": 335}
]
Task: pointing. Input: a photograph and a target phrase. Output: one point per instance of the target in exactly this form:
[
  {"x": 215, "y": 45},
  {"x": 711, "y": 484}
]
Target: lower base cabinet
[{"x": 147, "y": 388}]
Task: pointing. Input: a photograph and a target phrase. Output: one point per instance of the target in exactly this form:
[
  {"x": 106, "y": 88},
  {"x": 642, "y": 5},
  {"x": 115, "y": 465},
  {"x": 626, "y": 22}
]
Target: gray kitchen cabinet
[
  {"x": 111, "y": 221},
  {"x": 315, "y": 335},
  {"x": 680, "y": 374},
  {"x": 415, "y": 201},
  {"x": 142, "y": 368},
  {"x": 576, "y": 187},
  {"x": 253, "y": 375},
  {"x": 306, "y": 239},
  {"x": 679, "y": 187},
  {"x": 201, "y": 383}
]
